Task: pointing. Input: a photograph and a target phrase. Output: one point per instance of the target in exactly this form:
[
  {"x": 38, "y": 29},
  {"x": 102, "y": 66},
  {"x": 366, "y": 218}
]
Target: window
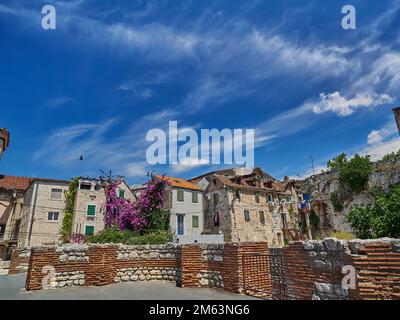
[
  {"x": 53, "y": 216},
  {"x": 56, "y": 194},
  {"x": 180, "y": 195},
  {"x": 91, "y": 210},
  {"x": 269, "y": 198},
  {"x": 215, "y": 198},
  {"x": 262, "y": 217},
  {"x": 257, "y": 196},
  {"x": 195, "y": 197},
  {"x": 237, "y": 195},
  {"x": 246, "y": 215},
  {"x": 121, "y": 193},
  {"x": 216, "y": 219},
  {"x": 89, "y": 230},
  {"x": 85, "y": 186},
  {"x": 195, "y": 221}
]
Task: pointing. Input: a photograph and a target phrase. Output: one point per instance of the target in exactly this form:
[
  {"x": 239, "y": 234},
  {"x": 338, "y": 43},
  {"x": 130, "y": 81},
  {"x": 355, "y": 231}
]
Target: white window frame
[
  {"x": 53, "y": 212},
  {"x": 51, "y": 192}
]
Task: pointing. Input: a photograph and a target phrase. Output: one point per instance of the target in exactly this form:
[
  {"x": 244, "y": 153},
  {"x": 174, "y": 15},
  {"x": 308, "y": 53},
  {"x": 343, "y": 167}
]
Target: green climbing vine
[{"x": 66, "y": 228}]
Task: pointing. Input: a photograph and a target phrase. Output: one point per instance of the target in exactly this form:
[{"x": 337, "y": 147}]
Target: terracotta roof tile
[
  {"x": 16, "y": 183},
  {"x": 180, "y": 183}
]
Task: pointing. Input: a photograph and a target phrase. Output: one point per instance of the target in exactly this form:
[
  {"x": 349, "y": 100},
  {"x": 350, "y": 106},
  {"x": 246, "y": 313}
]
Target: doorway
[{"x": 180, "y": 224}]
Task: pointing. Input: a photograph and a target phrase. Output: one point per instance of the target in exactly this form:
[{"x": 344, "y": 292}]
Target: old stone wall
[
  {"x": 19, "y": 262},
  {"x": 95, "y": 264},
  {"x": 197, "y": 265},
  {"x": 321, "y": 186},
  {"x": 313, "y": 269}
]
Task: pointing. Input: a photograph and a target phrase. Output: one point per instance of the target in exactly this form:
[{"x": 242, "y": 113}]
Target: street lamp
[{"x": 396, "y": 112}]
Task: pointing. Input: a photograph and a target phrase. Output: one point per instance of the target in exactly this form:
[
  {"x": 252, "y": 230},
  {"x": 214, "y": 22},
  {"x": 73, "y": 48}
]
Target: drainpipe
[{"x": 33, "y": 206}]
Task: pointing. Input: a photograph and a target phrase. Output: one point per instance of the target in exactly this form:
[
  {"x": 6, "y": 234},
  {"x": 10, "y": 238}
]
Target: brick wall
[
  {"x": 221, "y": 265},
  {"x": 97, "y": 265},
  {"x": 377, "y": 264},
  {"x": 313, "y": 269},
  {"x": 19, "y": 260},
  {"x": 197, "y": 265}
]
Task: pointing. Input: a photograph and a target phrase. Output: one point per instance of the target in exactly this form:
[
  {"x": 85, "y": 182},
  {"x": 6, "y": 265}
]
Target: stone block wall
[
  {"x": 313, "y": 269},
  {"x": 97, "y": 265},
  {"x": 218, "y": 265},
  {"x": 197, "y": 265},
  {"x": 19, "y": 260}
]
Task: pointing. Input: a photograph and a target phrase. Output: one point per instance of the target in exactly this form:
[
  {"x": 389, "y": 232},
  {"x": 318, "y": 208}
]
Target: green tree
[
  {"x": 379, "y": 219},
  {"x": 355, "y": 172},
  {"x": 337, "y": 163}
]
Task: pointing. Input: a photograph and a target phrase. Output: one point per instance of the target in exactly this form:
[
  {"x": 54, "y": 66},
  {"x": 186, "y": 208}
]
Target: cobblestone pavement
[{"x": 12, "y": 288}]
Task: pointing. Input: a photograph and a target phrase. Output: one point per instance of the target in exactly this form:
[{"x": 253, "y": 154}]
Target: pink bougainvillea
[
  {"x": 144, "y": 212},
  {"x": 76, "y": 238}
]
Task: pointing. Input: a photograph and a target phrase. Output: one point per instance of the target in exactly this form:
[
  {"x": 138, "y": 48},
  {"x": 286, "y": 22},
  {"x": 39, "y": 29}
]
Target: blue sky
[{"x": 112, "y": 70}]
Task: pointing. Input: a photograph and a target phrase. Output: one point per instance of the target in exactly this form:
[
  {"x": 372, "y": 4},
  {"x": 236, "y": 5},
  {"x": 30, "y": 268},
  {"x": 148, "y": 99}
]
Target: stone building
[
  {"x": 88, "y": 217},
  {"x": 12, "y": 193},
  {"x": 4, "y": 140},
  {"x": 251, "y": 205},
  {"x": 396, "y": 112},
  {"x": 185, "y": 202},
  {"x": 43, "y": 212}
]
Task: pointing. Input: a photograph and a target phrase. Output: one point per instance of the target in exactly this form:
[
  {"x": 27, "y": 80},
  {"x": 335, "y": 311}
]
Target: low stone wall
[
  {"x": 197, "y": 265},
  {"x": 96, "y": 265},
  {"x": 220, "y": 265},
  {"x": 19, "y": 262},
  {"x": 313, "y": 269}
]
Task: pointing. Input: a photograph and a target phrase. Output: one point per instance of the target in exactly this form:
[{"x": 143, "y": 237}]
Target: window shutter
[{"x": 91, "y": 210}]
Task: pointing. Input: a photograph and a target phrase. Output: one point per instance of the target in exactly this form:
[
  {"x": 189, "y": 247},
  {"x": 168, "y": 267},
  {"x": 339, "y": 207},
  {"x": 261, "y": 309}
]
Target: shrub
[
  {"x": 353, "y": 173},
  {"x": 379, "y": 219},
  {"x": 127, "y": 236}
]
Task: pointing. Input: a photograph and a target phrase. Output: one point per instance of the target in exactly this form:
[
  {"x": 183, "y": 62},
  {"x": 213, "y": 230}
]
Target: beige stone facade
[
  {"x": 90, "y": 197},
  {"x": 250, "y": 207},
  {"x": 43, "y": 212}
]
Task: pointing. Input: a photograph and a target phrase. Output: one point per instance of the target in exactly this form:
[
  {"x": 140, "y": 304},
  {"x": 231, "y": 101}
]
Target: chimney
[{"x": 396, "y": 112}]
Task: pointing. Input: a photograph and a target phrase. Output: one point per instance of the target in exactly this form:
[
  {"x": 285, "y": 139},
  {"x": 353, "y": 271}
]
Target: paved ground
[{"x": 12, "y": 288}]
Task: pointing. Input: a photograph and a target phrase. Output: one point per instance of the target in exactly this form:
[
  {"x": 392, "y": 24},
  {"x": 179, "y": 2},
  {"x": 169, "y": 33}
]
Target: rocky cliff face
[{"x": 321, "y": 186}]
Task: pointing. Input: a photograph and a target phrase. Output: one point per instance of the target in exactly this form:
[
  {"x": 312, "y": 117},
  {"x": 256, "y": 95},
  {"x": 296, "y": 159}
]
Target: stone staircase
[{"x": 4, "y": 266}]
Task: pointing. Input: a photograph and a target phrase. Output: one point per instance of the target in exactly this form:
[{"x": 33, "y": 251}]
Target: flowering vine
[{"x": 143, "y": 213}]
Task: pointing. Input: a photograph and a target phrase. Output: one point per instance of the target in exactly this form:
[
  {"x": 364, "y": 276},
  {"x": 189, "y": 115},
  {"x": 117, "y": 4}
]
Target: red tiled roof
[
  {"x": 15, "y": 183},
  {"x": 180, "y": 183},
  {"x": 23, "y": 183}
]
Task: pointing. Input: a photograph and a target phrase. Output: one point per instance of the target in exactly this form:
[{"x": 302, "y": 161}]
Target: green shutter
[
  {"x": 195, "y": 197},
  {"x": 121, "y": 193},
  {"x": 89, "y": 230},
  {"x": 91, "y": 210},
  {"x": 180, "y": 195},
  {"x": 195, "y": 221}
]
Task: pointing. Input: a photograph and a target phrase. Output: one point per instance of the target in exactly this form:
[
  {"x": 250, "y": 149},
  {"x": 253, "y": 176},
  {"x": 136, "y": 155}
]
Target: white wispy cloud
[
  {"x": 58, "y": 102},
  {"x": 335, "y": 102}
]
